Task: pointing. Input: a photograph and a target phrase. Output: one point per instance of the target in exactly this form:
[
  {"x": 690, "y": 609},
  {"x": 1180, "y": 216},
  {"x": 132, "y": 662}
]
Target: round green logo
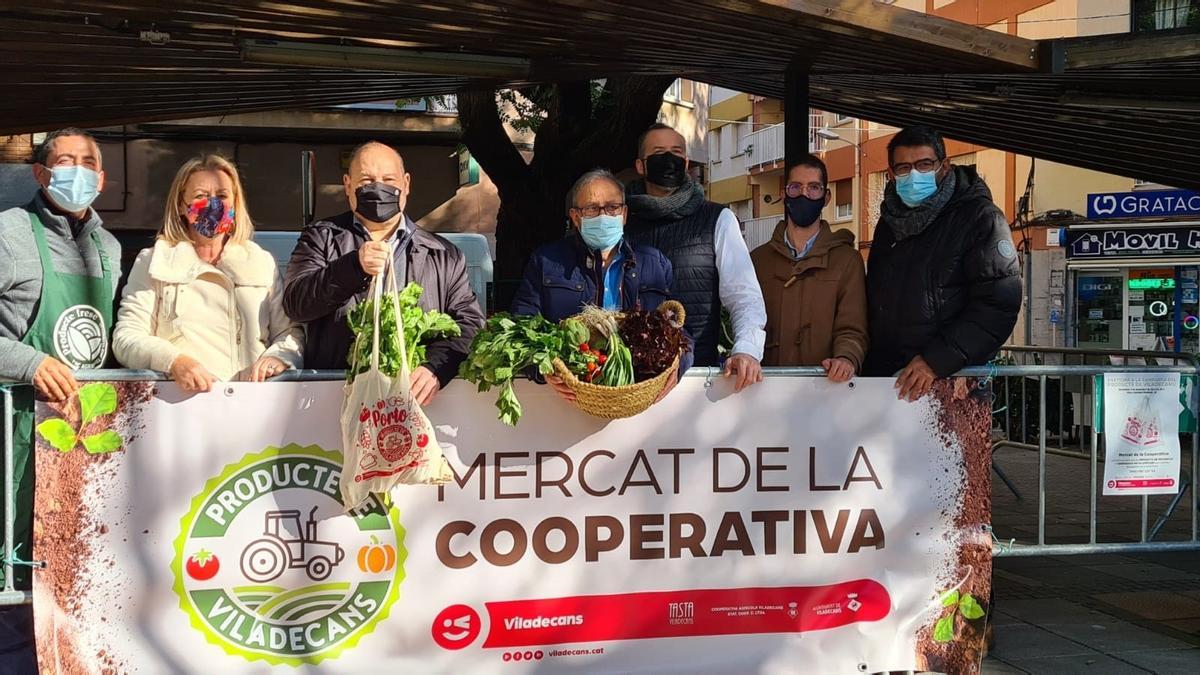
[{"x": 269, "y": 566}]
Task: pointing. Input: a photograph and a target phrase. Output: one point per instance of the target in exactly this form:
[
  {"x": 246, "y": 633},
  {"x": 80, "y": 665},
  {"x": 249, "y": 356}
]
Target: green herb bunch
[
  {"x": 509, "y": 345},
  {"x": 420, "y": 327}
]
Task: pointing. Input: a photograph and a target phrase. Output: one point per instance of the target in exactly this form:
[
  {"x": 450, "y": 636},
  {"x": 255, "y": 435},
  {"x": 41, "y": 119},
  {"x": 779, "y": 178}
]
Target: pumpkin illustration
[{"x": 375, "y": 557}]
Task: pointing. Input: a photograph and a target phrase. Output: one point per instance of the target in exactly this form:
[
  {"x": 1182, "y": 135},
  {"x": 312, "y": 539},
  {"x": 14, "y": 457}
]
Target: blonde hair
[{"x": 176, "y": 229}]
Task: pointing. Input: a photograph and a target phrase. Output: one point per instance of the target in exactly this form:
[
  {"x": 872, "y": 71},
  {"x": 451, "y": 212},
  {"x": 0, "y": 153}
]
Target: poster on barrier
[
  {"x": 1141, "y": 433},
  {"x": 800, "y": 522}
]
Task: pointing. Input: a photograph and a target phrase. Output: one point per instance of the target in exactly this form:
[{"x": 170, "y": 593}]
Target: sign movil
[
  {"x": 1132, "y": 242},
  {"x": 1143, "y": 204}
]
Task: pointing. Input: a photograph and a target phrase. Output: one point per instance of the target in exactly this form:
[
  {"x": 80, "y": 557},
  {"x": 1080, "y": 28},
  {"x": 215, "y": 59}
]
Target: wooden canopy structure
[{"x": 1126, "y": 104}]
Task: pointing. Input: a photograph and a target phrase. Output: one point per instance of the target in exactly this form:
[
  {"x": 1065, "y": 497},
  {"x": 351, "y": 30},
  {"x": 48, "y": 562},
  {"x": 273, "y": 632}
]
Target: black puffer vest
[{"x": 688, "y": 244}]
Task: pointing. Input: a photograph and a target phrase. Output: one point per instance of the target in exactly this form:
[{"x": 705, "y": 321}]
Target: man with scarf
[
  {"x": 703, "y": 241},
  {"x": 335, "y": 259},
  {"x": 943, "y": 281}
]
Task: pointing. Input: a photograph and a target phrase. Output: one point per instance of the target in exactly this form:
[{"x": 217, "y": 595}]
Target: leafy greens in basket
[{"x": 509, "y": 345}]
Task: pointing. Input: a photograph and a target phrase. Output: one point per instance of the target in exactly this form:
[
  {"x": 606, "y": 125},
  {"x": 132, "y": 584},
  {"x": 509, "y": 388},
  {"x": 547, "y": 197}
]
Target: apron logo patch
[{"x": 80, "y": 339}]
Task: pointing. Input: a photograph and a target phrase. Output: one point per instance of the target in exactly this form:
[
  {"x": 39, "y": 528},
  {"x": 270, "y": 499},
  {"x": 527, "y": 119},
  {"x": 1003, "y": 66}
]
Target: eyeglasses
[
  {"x": 593, "y": 210},
  {"x": 811, "y": 190},
  {"x": 922, "y": 165}
]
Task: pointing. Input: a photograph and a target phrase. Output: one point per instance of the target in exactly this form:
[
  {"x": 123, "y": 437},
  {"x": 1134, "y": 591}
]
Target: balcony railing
[
  {"x": 765, "y": 146},
  {"x": 758, "y": 231}
]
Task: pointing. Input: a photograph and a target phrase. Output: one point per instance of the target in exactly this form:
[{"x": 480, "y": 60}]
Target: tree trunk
[{"x": 574, "y": 138}]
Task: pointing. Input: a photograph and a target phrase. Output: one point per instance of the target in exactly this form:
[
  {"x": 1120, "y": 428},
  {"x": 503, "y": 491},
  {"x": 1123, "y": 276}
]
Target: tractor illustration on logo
[{"x": 267, "y": 558}]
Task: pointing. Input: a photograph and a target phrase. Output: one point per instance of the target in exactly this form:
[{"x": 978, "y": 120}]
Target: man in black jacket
[
  {"x": 943, "y": 281},
  {"x": 335, "y": 258}
]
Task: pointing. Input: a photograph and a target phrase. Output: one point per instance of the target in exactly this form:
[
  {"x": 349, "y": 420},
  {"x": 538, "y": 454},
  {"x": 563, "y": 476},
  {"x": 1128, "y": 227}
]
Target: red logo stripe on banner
[{"x": 685, "y": 613}]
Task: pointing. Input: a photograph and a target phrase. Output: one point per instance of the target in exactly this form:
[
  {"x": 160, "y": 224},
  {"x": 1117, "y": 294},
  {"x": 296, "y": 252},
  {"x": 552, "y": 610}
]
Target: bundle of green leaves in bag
[
  {"x": 387, "y": 440},
  {"x": 420, "y": 327}
]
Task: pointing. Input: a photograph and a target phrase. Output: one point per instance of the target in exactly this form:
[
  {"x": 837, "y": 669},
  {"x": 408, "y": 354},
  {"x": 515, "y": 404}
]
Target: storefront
[{"x": 1133, "y": 270}]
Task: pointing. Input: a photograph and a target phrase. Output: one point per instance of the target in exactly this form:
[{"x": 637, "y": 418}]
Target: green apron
[{"x": 72, "y": 324}]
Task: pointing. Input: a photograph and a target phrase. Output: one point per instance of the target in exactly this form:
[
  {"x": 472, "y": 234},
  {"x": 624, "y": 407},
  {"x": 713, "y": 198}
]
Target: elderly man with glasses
[
  {"x": 943, "y": 280},
  {"x": 813, "y": 282},
  {"x": 594, "y": 264}
]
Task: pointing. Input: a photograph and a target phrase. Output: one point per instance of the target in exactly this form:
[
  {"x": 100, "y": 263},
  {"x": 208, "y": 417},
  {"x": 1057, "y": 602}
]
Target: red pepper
[
  {"x": 585, "y": 348},
  {"x": 603, "y": 359}
]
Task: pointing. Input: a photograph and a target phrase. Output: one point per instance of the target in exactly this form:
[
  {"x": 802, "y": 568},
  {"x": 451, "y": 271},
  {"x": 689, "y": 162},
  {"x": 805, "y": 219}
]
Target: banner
[
  {"x": 1141, "y": 439},
  {"x": 799, "y": 522}
]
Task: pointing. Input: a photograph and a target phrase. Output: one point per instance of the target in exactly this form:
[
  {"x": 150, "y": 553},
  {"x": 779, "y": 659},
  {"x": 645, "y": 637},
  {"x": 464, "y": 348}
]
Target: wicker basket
[{"x": 612, "y": 403}]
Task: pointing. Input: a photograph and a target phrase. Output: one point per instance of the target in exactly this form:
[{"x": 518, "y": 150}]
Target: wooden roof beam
[
  {"x": 1123, "y": 48},
  {"x": 864, "y": 17}
]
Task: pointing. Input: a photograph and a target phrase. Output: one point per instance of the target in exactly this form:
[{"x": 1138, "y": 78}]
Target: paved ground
[{"x": 1096, "y": 613}]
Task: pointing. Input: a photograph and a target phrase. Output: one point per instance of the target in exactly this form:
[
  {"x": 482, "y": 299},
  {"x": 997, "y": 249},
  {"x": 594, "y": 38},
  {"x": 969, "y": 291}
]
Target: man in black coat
[
  {"x": 335, "y": 259},
  {"x": 943, "y": 280}
]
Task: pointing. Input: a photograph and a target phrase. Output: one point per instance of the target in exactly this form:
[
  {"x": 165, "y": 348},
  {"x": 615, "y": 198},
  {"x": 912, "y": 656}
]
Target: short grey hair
[
  {"x": 593, "y": 175},
  {"x": 41, "y": 155}
]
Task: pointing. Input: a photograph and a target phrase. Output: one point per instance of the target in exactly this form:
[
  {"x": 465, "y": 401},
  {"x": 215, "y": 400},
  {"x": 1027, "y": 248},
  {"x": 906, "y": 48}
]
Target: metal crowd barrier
[
  {"x": 995, "y": 374},
  {"x": 1077, "y": 440}
]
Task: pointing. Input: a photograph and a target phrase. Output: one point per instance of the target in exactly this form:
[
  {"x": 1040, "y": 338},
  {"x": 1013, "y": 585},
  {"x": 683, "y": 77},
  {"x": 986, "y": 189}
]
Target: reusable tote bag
[{"x": 386, "y": 438}]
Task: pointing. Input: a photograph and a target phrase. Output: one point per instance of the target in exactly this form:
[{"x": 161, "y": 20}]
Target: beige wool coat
[{"x": 226, "y": 316}]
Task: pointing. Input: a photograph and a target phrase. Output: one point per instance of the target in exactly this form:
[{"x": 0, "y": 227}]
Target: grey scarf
[
  {"x": 683, "y": 202},
  {"x": 909, "y": 221}
]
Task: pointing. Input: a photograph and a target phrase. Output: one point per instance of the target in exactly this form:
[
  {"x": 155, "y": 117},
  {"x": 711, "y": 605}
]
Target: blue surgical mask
[
  {"x": 916, "y": 187},
  {"x": 602, "y": 232},
  {"x": 73, "y": 188}
]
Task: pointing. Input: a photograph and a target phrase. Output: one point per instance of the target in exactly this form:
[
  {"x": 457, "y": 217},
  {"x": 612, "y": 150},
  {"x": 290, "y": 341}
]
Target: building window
[
  {"x": 741, "y": 129},
  {"x": 681, "y": 91},
  {"x": 1165, "y": 14},
  {"x": 714, "y": 145},
  {"x": 843, "y": 197},
  {"x": 839, "y": 118}
]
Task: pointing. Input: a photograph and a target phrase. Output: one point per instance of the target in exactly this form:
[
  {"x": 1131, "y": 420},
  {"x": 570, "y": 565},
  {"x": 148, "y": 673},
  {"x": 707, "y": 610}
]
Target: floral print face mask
[{"x": 209, "y": 217}]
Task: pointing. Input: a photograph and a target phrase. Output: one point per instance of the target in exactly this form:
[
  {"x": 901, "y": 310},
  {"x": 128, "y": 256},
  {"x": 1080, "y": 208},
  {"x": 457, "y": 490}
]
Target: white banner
[
  {"x": 1141, "y": 433},
  {"x": 800, "y": 522}
]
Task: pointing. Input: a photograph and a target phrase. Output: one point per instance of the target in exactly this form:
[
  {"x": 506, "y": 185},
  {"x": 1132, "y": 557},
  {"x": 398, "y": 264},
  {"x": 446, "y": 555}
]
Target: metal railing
[
  {"x": 764, "y": 146},
  {"x": 758, "y": 231},
  {"x": 1069, "y": 374},
  {"x": 996, "y": 374}
]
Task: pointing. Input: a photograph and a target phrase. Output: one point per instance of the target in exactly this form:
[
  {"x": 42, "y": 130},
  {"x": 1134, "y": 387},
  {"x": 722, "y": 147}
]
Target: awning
[{"x": 1122, "y": 104}]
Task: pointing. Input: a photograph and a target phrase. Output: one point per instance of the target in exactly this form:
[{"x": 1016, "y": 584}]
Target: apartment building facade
[{"x": 1116, "y": 302}]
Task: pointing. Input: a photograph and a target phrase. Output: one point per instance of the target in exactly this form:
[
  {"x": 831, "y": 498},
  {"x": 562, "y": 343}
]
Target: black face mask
[
  {"x": 802, "y": 210},
  {"x": 666, "y": 170},
  {"x": 377, "y": 202}
]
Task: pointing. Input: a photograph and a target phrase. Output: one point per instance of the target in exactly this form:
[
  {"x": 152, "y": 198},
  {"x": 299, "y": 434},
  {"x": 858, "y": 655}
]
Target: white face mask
[{"x": 73, "y": 188}]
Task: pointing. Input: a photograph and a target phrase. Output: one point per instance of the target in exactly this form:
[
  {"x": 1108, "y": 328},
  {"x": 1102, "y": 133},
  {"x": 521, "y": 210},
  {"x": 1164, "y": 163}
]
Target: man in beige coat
[{"x": 813, "y": 283}]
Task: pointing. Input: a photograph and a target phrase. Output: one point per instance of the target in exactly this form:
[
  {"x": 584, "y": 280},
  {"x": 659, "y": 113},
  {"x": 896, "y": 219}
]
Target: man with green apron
[{"x": 56, "y": 295}]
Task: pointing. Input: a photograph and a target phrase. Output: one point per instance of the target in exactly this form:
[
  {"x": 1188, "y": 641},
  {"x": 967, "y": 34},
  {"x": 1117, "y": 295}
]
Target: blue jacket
[{"x": 563, "y": 276}]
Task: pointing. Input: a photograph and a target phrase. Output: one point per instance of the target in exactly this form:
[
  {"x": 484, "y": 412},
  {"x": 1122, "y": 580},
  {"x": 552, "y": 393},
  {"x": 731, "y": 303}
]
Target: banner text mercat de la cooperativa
[{"x": 652, "y": 536}]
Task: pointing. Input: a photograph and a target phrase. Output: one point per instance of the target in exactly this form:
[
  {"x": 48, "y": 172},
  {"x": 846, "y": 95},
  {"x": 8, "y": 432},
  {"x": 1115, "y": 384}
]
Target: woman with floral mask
[
  {"x": 205, "y": 303},
  {"x": 593, "y": 264}
]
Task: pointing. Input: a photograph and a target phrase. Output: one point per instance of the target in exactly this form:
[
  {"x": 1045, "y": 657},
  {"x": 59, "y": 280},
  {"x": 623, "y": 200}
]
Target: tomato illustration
[
  {"x": 380, "y": 404},
  {"x": 364, "y": 415},
  {"x": 422, "y": 440},
  {"x": 202, "y": 565}
]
